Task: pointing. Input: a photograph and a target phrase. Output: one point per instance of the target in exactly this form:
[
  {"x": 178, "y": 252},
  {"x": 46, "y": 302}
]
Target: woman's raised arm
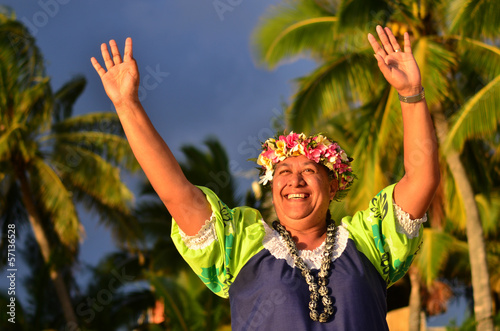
[
  {"x": 415, "y": 191},
  {"x": 185, "y": 202}
]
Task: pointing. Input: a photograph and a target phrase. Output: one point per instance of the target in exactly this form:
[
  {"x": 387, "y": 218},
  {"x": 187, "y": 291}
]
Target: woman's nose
[{"x": 296, "y": 179}]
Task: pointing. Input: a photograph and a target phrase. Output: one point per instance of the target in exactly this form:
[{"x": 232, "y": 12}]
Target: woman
[{"x": 305, "y": 272}]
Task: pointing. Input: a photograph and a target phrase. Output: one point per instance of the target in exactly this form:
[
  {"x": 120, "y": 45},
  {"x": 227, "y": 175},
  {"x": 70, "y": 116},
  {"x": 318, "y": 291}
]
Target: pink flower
[
  {"x": 332, "y": 150},
  {"x": 271, "y": 155},
  {"x": 291, "y": 140},
  {"x": 322, "y": 148},
  {"x": 342, "y": 167},
  {"x": 313, "y": 154}
]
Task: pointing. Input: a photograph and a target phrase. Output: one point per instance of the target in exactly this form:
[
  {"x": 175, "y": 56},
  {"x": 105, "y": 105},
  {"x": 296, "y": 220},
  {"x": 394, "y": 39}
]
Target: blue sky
[
  {"x": 206, "y": 82},
  {"x": 203, "y": 80}
]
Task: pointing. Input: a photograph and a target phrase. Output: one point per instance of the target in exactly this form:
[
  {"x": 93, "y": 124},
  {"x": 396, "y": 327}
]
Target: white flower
[
  {"x": 267, "y": 177},
  {"x": 343, "y": 156}
]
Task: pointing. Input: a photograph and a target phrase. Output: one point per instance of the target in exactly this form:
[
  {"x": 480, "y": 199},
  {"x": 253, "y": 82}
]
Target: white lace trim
[
  {"x": 275, "y": 244},
  {"x": 405, "y": 225},
  {"x": 203, "y": 238}
]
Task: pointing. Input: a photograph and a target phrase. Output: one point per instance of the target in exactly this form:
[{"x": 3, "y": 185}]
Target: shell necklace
[{"x": 318, "y": 289}]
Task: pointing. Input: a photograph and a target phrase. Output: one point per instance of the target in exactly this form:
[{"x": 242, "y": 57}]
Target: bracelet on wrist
[{"x": 412, "y": 98}]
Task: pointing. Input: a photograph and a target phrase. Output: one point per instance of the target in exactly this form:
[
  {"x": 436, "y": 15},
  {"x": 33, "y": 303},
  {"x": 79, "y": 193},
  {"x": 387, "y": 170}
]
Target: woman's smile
[{"x": 297, "y": 196}]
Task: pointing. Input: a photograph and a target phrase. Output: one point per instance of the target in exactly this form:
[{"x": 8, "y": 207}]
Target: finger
[
  {"x": 105, "y": 55},
  {"x": 384, "y": 40},
  {"x": 128, "y": 53},
  {"x": 100, "y": 70},
  {"x": 407, "y": 44},
  {"x": 117, "y": 59},
  {"x": 384, "y": 68},
  {"x": 375, "y": 45},
  {"x": 392, "y": 39}
]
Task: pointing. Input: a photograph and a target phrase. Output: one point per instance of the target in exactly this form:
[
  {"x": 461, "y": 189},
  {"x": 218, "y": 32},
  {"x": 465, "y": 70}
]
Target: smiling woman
[{"x": 305, "y": 272}]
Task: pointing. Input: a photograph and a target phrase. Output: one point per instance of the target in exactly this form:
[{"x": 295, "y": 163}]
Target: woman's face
[{"x": 302, "y": 192}]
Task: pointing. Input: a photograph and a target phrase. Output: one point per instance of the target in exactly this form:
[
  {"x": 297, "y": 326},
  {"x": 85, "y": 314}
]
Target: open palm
[
  {"x": 121, "y": 80},
  {"x": 398, "y": 67}
]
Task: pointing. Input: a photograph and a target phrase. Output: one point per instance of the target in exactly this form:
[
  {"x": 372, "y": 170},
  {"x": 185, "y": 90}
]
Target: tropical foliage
[
  {"x": 456, "y": 46},
  {"x": 51, "y": 160}
]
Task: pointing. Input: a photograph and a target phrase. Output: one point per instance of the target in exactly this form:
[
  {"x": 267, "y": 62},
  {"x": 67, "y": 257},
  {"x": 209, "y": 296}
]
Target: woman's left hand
[{"x": 398, "y": 66}]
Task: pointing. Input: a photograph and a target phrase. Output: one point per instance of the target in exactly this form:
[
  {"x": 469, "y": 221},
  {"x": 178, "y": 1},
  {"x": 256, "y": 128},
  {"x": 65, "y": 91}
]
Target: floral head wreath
[{"x": 317, "y": 148}]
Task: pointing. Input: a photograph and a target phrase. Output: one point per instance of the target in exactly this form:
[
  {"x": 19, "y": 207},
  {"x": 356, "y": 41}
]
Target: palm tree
[
  {"x": 50, "y": 159},
  {"x": 459, "y": 59},
  {"x": 117, "y": 295}
]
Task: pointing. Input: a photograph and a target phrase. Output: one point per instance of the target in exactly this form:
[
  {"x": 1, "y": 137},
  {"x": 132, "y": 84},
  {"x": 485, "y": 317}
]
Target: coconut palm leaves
[
  {"x": 478, "y": 118},
  {"x": 54, "y": 160},
  {"x": 477, "y": 19},
  {"x": 292, "y": 28}
]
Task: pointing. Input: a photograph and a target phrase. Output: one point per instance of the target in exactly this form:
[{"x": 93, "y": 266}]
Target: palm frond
[
  {"x": 6, "y": 14},
  {"x": 111, "y": 147},
  {"x": 478, "y": 158},
  {"x": 9, "y": 140},
  {"x": 479, "y": 117},
  {"x": 457, "y": 266},
  {"x": 98, "y": 185},
  {"x": 489, "y": 209},
  {"x": 119, "y": 273},
  {"x": 218, "y": 153},
  {"x": 480, "y": 57},
  {"x": 126, "y": 232},
  {"x": 25, "y": 91},
  {"x": 475, "y": 18},
  {"x": 18, "y": 45},
  {"x": 367, "y": 167},
  {"x": 433, "y": 253},
  {"x": 355, "y": 14},
  {"x": 388, "y": 126},
  {"x": 66, "y": 96},
  {"x": 291, "y": 29},
  {"x": 181, "y": 309},
  {"x": 96, "y": 121},
  {"x": 342, "y": 81},
  {"x": 56, "y": 201},
  {"x": 89, "y": 173},
  {"x": 454, "y": 207},
  {"x": 33, "y": 105},
  {"x": 435, "y": 63},
  {"x": 211, "y": 169},
  {"x": 337, "y": 128}
]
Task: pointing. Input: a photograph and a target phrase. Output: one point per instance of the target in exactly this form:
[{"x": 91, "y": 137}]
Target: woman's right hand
[{"x": 121, "y": 80}]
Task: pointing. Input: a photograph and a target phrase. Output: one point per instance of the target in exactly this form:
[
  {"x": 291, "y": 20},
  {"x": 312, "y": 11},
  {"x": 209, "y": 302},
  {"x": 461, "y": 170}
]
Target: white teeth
[{"x": 296, "y": 196}]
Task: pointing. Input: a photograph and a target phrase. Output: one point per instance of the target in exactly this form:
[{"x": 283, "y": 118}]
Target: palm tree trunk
[
  {"x": 415, "y": 300},
  {"x": 43, "y": 243},
  {"x": 483, "y": 300}
]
